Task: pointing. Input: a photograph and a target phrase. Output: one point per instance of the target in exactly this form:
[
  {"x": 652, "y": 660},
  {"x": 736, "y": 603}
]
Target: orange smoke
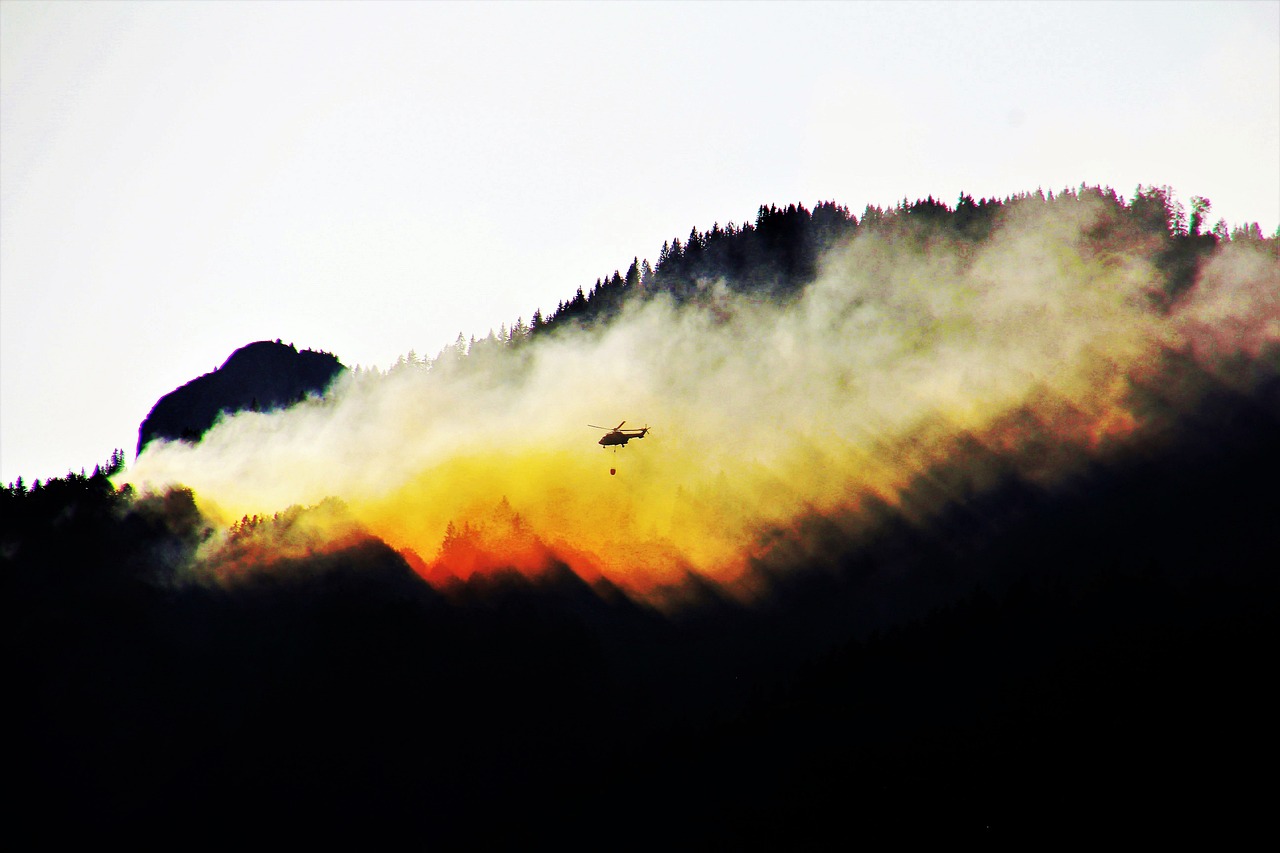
[
  {"x": 255, "y": 545},
  {"x": 606, "y": 527}
]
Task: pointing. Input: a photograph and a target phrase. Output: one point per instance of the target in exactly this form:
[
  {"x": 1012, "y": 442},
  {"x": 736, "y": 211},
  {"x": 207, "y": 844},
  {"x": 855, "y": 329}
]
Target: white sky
[{"x": 180, "y": 179}]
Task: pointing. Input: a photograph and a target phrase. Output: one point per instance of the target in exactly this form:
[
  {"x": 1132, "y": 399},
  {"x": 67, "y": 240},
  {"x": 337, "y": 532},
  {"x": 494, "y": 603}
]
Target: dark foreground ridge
[
  {"x": 999, "y": 656},
  {"x": 1095, "y": 655},
  {"x": 259, "y": 377}
]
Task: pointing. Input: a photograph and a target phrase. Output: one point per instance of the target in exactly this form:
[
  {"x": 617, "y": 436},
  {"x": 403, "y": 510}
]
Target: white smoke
[{"x": 759, "y": 411}]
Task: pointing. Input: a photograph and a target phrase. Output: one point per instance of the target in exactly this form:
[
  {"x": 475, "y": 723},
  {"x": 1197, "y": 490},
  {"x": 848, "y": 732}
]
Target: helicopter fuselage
[{"x": 620, "y": 438}]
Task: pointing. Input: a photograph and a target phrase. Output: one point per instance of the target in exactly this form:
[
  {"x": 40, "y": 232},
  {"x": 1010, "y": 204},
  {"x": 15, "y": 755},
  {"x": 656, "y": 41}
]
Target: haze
[{"x": 177, "y": 180}]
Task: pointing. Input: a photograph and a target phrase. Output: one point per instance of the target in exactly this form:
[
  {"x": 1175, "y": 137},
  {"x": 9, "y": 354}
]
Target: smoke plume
[{"x": 909, "y": 346}]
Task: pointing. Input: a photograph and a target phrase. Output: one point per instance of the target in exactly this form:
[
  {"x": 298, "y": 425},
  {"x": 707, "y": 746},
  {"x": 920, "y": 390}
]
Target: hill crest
[{"x": 260, "y": 376}]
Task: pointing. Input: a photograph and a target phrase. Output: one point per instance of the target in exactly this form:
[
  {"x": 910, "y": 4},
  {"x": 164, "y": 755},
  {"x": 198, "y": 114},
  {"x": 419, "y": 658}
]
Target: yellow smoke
[{"x": 760, "y": 413}]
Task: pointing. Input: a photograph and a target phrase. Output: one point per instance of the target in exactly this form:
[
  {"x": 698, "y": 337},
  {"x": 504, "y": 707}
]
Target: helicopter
[{"x": 617, "y": 436}]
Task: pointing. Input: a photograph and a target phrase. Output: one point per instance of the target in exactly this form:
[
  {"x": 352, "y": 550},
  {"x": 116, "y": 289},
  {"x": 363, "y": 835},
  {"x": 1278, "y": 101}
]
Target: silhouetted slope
[
  {"x": 260, "y": 376},
  {"x": 1022, "y": 658},
  {"x": 1093, "y": 653},
  {"x": 1100, "y": 658}
]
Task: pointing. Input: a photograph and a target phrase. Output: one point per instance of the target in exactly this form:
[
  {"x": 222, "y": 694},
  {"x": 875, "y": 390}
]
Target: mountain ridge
[{"x": 260, "y": 376}]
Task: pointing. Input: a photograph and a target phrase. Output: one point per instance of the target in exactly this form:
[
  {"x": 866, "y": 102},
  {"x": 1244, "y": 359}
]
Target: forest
[
  {"x": 1056, "y": 618},
  {"x": 779, "y": 253}
]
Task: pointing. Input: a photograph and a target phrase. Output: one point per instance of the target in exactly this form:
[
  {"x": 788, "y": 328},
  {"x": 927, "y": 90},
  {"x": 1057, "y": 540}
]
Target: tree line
[{"x": 777, "y": 254}]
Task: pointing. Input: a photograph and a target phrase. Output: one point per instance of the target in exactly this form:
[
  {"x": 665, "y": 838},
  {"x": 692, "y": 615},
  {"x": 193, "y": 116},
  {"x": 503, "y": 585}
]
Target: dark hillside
[
  {"x": 260, "y": 377},
  {"x": 995, "y": 651},
  {"x": 1087, "y": 655}
]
